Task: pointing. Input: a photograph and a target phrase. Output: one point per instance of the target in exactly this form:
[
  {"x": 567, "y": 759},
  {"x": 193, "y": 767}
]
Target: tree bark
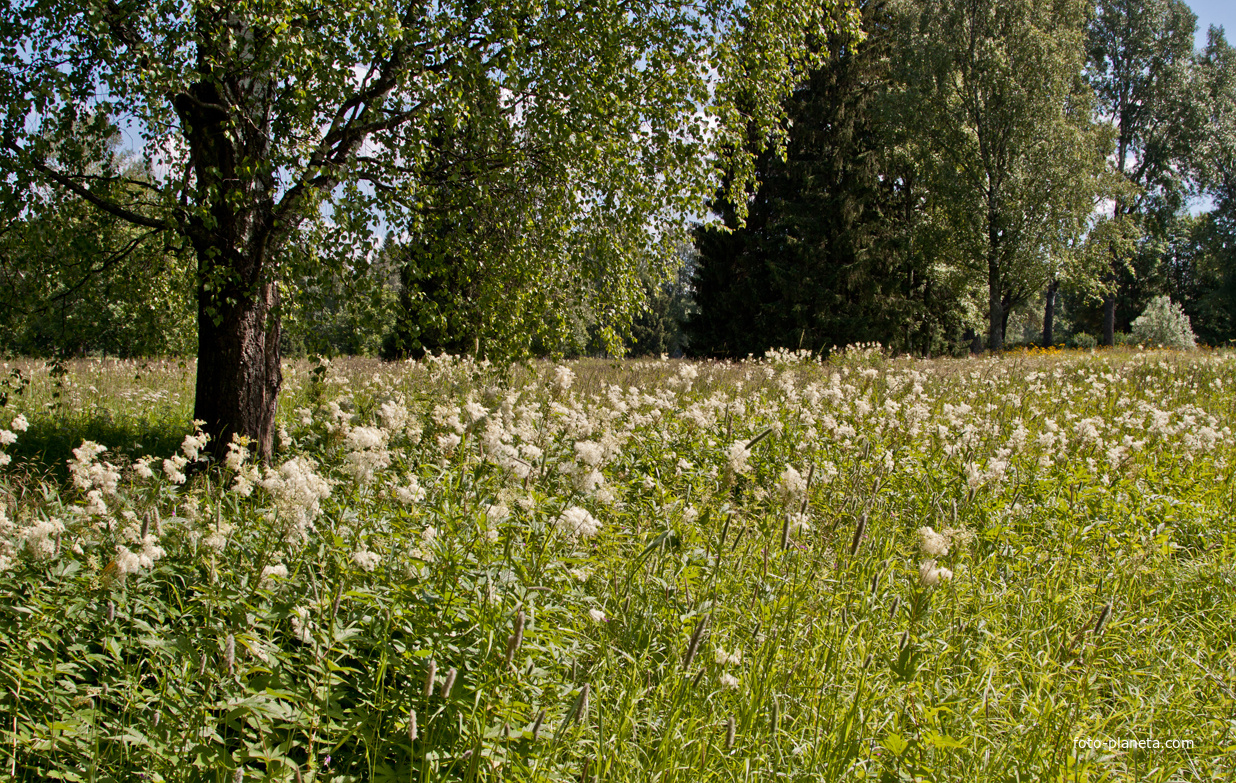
[
  {"x": 234, "y": 234},
  {"x": 238, "y": 370},
  {"x": 1109, "y": 319},
  {"x": 995, "y": 305},
  {"x": 1049, "y": 314}
]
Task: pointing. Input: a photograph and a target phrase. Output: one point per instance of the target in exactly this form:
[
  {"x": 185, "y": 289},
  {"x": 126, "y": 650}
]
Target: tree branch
[{"x": 84, "y": 193}]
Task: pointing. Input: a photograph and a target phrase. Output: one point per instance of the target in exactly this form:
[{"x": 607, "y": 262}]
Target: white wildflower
[
  {"x": 410, "y": 493},
  {"x": 792, "y": 484},
  {"x": 577, "y": 522},
  {"x": 563, "y": 378},
  {"x": 173, "y": 468},
  {"x": 932, "y": 543},
  {"x": 271, "y": 572},
  {"x": 365, "y": 559},
  {"x": 193, "y": 445},
  {"x": 930, "y": 574},
  {"x": 738, "y": 454},
  {"x": 127, "y": 562},
  {"x": 723, "y": 657},
  {"x": 142, "y": 467},
  {"x": 41, "y": 537},
  {"x": 298, "y": 492}
]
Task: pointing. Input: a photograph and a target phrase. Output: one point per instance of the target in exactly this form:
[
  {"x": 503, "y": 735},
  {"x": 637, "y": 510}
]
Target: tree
[
  {"x": 1214, "y": 167},
  {"x": 74, "y": 281},
  {"x": 1138, "y": 56},
  {"x": 261, "y": 119},
  {"x": 825, "y": 256},
  {"x": 1005, "y": 137}
]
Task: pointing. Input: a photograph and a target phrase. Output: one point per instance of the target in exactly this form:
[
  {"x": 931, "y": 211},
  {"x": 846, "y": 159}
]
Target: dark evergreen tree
[{"x": 827, "y": 255}]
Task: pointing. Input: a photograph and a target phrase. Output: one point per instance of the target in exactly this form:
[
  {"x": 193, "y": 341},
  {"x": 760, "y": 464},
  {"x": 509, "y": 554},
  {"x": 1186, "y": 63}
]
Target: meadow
[{"x": 1009, "y": 568}]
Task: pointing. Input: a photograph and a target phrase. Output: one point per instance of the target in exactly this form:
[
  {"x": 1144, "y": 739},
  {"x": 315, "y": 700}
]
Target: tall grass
[{"x": 706, "y": 632}]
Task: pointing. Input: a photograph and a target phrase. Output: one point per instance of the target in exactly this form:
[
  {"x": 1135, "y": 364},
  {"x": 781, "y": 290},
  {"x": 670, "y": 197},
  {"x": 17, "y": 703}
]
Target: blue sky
[{"x": 1221, "y": 13}]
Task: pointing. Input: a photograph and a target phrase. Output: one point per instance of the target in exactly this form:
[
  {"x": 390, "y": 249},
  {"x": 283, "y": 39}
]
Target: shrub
[
  {"x": 1083, "y": 341},
  {"x": 1164, "y": 322}
]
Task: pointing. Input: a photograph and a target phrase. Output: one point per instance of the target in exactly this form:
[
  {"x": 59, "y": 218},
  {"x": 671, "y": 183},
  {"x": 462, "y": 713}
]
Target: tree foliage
[
  {"x": 1138, "y": 60},
  {"x": 1014, "y": 160},
  {"x": 259, "y": 119},
  {"x": 826, "y": 256}
]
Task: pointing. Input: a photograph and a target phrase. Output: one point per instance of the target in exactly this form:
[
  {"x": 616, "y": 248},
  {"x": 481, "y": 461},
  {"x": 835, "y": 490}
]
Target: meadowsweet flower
[
  {"x": 589, "y": 481},
  {"x": 89, "y": 474},
  {"x": 589, "y": 452},
  {"x": 797, "y": 522},
  {"x": 365, "y": 559},
  {"x": 723, "y": 657},
  {"x": 563, "y": 378},
  {"x": 141, "y": 467},
  {"x": 127, "y": 562},
  {"x": 793, "y": 485},
  {"x": 193, "y": 444},
  {"x": 40, "y": 537},
  {"x": 448, "y": 442},
  {"x": 932, "y": 543},
  {"x": 738, "y": 454},
  {"x": 410, "y": 493},
  {"x": 930, "y": 574},
  {"x": 393, "y": 415},
  {"x": 475, "y": 411},
  {"x": 173, "y": 468},
  {"x": 728, "y": 680},
  {"x": 597, "y": 615},
  {"x": 577, "y": 522},
  {"x": 271, "y": 572},
  {"x": 302, "y": 628},
  {"x": 7, "y": 437},
  {"x": 95, "y": 507},
  {"x": 19, "y": 423},
  {"x": 298, "y": 492},
  {"x": 218, "y": 538}
]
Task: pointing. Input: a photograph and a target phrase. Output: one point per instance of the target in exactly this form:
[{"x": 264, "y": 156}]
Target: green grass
[{"x": 1091, "y": 597}]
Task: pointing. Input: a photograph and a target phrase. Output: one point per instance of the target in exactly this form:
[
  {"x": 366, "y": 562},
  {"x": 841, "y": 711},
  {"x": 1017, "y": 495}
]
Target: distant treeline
[{"x": 964, "y": 175}]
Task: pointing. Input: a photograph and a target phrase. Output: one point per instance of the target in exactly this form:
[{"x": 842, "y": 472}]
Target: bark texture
[
  {"x": 1049, "y": 314},
  {"x": 234, "y": 233}
]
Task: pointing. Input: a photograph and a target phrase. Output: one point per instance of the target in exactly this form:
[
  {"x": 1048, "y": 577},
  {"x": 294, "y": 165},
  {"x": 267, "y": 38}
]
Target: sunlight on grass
[{"x": 1013, "y": 568}]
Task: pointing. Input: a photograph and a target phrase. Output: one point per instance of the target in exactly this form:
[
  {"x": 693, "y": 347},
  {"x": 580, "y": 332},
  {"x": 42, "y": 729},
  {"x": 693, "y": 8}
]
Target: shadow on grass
[{"x": 46, "y": 447}]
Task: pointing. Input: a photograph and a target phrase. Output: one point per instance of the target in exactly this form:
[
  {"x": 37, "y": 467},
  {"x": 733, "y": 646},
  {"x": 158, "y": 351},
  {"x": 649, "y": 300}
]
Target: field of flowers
[{"x": 1010, "y": 568}]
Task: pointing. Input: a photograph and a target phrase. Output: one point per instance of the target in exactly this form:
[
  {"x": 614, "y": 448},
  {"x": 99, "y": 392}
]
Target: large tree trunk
[
  {"x": 1049, "y": 314},
  {"x": 1109, "y": 319},
  {"x": 238, "y": 370},
  {"x": 995, "y": 304},
  {"x": 234, "y": 233}
]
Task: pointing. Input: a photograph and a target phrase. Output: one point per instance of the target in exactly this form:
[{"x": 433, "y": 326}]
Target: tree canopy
[{"x": 257, "y": 119}]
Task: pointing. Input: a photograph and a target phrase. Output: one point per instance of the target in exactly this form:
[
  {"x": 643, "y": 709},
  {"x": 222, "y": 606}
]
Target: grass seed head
[
  {"x": 694, "y": 645},
  {"x": 536, "y": 726},
  {"x": 1103, "y": 617},
  {"x": 430, "y": 676},
  {"x": 449, "y": 683},
  {"x": 858, "y": 534},
  {"x": 730, "y": 731}
]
